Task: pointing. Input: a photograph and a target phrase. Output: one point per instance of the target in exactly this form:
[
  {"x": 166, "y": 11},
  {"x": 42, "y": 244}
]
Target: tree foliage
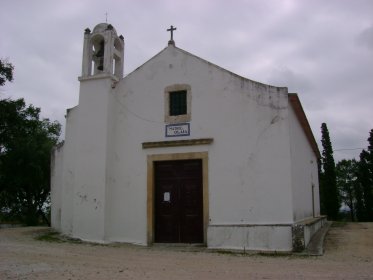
[
  {"x": 26, "y": 141},
  {"x": 365, "y": 182},
  {"x": 6, "y": 72},
  {"x": 328, "y": 185},
  {"x": 355, "y": 184},
  {"x": 346, "y": 172},
  {"x": 25, "y": 146}
]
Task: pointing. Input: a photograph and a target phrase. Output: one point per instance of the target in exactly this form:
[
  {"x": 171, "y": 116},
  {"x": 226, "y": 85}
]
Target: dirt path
[{"x": 348, "y": 255}]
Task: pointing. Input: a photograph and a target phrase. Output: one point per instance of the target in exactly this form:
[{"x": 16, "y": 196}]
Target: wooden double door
[{"x": 178, "y": 201}]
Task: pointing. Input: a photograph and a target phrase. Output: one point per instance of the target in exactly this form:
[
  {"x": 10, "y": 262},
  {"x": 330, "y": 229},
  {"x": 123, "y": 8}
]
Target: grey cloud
[
  {"x": 295, "y": 81},
  {"x": 365, "y": 38}
]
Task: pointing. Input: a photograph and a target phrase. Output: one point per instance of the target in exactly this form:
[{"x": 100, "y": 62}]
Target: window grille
[{"x": 178, "y": 103}]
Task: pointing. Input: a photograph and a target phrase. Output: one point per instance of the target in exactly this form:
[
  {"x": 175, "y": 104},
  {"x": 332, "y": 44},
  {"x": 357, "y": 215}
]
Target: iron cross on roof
[{"x": 171, "y": 29}]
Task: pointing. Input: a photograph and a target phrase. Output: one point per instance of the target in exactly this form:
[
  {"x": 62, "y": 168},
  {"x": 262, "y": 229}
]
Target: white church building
[{"x": 183, "y": 151}]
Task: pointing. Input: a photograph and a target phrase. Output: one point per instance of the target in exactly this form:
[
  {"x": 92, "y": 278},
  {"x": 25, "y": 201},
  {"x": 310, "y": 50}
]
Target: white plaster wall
[
  {"x": 111, "y": 162},
  {"x": 304, "y": 172},
  {"x": 56, "y": 186},
  {"x": 91, "y": 164},
  {"x": 68, "y": 169},
  {"x": 249, "y": 160}
]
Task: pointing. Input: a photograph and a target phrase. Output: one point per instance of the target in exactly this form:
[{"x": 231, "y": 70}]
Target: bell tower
[
  {"x": 102, "y": 70},
  {"x": 103, "y": 52}
]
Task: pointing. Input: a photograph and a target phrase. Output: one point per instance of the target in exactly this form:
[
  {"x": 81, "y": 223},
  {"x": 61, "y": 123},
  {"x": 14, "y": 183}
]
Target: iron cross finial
[{"x": 172, "y": 29}]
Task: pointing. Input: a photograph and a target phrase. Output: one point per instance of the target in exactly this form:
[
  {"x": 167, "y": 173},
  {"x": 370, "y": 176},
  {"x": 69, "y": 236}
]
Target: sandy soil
[{"x": 348, "y": 255}]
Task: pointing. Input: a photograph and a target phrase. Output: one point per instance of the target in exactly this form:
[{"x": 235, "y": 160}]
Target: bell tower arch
[{"x": 103, "y": 52}]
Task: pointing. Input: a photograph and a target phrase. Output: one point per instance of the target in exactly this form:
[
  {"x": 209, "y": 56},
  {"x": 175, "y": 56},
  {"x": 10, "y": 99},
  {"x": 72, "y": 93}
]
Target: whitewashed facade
[{"x": 251, "y": 142}]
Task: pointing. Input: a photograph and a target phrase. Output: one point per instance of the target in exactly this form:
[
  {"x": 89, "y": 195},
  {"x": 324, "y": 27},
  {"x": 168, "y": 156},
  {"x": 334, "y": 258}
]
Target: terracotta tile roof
[{"x": 299, "y": 112}]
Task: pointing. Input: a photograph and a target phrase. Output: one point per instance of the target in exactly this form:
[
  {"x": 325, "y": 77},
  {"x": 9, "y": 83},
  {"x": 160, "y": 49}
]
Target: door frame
[{"x": 151, "y": 188}]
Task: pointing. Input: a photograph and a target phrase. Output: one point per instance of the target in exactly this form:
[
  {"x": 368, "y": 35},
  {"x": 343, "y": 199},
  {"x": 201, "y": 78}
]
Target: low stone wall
[
  {"x": 250, "y": 237},
  {"x": 303, "y": 231},
  {"x": 255, "y": 237}
]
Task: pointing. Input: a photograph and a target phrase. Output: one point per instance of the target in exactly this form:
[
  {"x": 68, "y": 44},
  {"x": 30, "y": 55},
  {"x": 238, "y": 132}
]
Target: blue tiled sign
[{"x": 176, "y": 130}]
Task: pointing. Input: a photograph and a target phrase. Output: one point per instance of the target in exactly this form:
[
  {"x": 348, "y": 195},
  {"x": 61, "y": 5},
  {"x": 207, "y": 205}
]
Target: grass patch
[
  {"x": 274, "y": 254},
  {"x": 253, "y": 253},
  {"x": 228, "y": 252},
  {"x": 56, "y": 237},
  {"x": 51, "y": 236}
]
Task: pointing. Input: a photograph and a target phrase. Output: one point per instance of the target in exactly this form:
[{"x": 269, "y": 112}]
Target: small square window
[{"x": 178, "y": 103}]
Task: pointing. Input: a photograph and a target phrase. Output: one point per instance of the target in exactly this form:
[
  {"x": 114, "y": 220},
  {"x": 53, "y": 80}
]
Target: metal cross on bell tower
[{"x": 172, "y": 29}]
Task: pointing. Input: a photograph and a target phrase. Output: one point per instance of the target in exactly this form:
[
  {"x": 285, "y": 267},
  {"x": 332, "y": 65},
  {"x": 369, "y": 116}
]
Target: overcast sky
[{"x": 320, "y": 49}]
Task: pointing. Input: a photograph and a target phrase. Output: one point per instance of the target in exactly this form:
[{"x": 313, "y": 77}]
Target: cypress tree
[
  {"x": 370, "y": 167},
  {"x": 328, "y": 183},
  {"x": 365, "y": 180},
  {"x": 321, "y": 184}
]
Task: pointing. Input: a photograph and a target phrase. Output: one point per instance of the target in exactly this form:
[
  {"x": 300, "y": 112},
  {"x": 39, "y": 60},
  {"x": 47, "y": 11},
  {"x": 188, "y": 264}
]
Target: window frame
[{"x": 167, "y": 105}]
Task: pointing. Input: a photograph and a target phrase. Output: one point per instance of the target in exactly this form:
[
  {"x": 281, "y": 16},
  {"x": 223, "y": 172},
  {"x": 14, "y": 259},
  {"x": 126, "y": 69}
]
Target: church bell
[{"x": 100, "y": 56}]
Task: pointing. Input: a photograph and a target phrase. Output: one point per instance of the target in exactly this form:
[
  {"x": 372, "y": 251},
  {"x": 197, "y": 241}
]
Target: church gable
[
  {"x": 162, "y": 58},
  {"x": 179, "y": 66},
  {"x": 204, "y": 84}
]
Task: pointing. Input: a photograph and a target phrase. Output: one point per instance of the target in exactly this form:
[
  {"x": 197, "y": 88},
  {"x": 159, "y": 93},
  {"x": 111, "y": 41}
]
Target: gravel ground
[{"x": 348, "y": 255}]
